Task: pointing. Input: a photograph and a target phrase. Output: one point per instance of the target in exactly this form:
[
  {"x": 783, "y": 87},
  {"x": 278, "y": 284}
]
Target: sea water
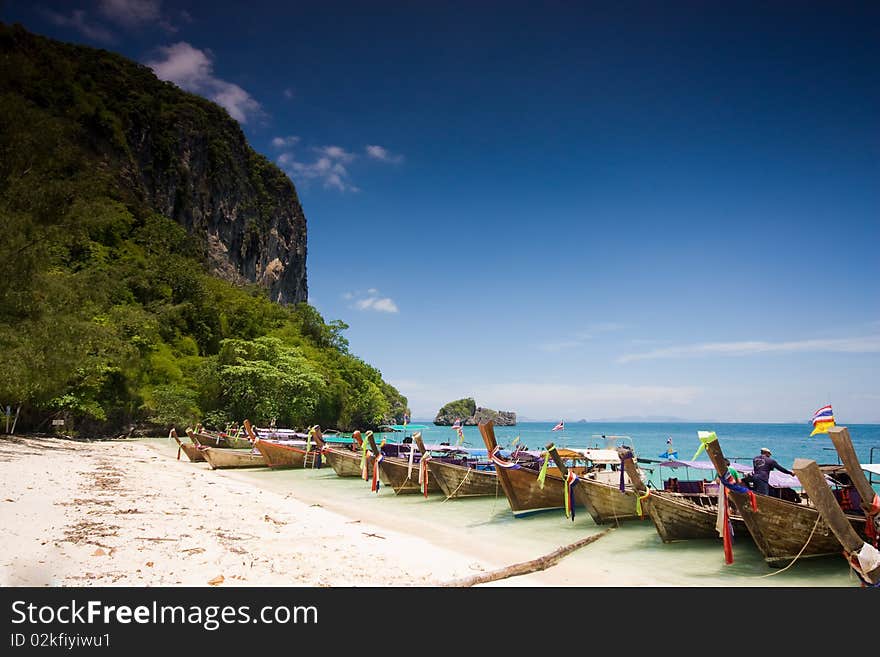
[{"x": 485, "y": 528}]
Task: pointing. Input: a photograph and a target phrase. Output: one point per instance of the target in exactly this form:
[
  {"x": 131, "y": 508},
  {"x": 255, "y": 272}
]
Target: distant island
[{"x": 467, "y": 411}]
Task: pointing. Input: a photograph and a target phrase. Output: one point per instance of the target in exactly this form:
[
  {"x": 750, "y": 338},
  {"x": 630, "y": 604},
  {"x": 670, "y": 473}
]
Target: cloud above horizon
[
  {"x": 371, "y": 300},
  {"x": 862, "y": 344},
  {"x": 382, "y": 154},
  {"x": 328, "y": 165},
  {"x": 193, "y": 69}
]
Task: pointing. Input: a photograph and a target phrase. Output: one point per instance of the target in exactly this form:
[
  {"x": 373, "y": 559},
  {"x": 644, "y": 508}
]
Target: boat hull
[
  {"x": 345, "y": 462},
  {"x": 784, "y": 530},
  {"x": 681, "y": 517},
  {"x": 396, "y": 475},
  {"x": 221, "y": 458},
  {"x": 280, "y": 457},
  {"x": 193, "y": 453},
  {"x": 606, "y": 503},
  {"x": 461, "y": 481}
]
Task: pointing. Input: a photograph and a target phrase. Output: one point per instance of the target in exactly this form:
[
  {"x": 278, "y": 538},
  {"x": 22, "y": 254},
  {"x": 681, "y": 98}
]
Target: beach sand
[{"x": 122, "y": 513}]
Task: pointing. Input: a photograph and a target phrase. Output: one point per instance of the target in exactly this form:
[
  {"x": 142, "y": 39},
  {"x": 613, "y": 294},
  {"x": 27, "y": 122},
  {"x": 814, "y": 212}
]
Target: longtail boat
[
  {"x": 604, "y": 488},
  {"x": 520, "y": 478},
  {"x": 788, "y": 527},
  {"x": 402, "y": 467},
  {"x": 302, "y": 452},
  {"x": 347, "y": 460},
  {"x": 192, "y": 450},
  {"x": 220, "y": 458},
  {"x": 862, "y": 557},
  {"x": 458, "y": 472},
  {"x": 685, "y": 509},
  {"x": 223, "y": 440}
]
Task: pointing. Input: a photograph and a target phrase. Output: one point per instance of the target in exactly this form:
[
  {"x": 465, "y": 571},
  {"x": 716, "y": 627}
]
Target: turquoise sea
[{"x": 484, "y": 528}]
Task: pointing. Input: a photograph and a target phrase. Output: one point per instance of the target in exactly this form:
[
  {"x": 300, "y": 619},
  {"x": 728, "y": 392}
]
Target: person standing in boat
[{"x": 763, "y": 464}]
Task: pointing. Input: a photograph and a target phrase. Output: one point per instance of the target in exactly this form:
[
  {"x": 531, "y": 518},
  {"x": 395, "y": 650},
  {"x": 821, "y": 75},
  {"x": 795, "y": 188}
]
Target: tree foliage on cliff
[{"x": 107, "y": 313}]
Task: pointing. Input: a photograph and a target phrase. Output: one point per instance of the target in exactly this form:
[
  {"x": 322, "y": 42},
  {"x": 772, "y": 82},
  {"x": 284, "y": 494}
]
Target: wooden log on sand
[{"x": 526, "y": 567}]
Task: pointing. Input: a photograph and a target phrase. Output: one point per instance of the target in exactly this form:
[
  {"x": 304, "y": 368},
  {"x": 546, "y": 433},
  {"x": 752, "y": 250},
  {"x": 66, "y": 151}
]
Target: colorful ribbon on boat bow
[
  {"x": 705, "y": 437},
  {"x": 500, "y": 462},
  {"x": 423, "y": 473},
  {"x": 376, "y": 461},
  {"x": 543, "y": 473},
  {"x": 639, "y": 499},
  {"x": 727, "y": 482},
  {"x": 571, "y": 480},
  {"x": 871, "y": 513}
]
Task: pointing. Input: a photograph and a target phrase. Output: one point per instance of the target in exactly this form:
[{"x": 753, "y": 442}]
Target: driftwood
[{"x": 526, "y": 567}]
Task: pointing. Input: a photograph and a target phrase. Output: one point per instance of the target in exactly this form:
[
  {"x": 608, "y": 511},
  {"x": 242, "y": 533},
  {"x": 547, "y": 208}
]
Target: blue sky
[{"x": 569, "y": 210}]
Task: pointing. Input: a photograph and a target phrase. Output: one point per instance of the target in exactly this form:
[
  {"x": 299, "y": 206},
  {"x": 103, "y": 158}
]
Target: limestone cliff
[
  {"x": 179, "y": 154},
  {"x": 467, "y": 411}
]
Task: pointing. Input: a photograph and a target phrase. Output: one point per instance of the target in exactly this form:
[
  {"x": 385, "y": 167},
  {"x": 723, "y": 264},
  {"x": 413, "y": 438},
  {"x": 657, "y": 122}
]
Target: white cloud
[
  {"x": 383, "y": 154},
  {"x": 285, "y": 142},
  {"x": 329, "y": 168},
  {"x": 193, "y": 69},
  {"x": 79, "y": 21},
  {"x": 371, "y": 300},
  {"x": 856, "y": 345},
  {"x": 131, "y": 13},
  {"x": 384, "y": 304}
]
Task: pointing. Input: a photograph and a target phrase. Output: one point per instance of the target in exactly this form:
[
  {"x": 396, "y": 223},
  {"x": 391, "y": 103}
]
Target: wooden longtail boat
[
  {"x": 220, "y": 458},
  {"x": 404, "y": 472},
  {"x": 346, "y": 459},
  {"x": 598, "y": 488},
  {"x": 191, "y": 450},
  {"x": 218, "y": 440},
  {"x": 457, "y": 474},
  {"x": 287, "y": 454},
  {"x": 784, "y": 529},
  {"x": 862, "y": 557},
  {"x": 519, "y": 478},
  {"x": 679, "y": 516}
]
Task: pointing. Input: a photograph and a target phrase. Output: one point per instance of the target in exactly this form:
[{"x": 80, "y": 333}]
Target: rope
[
  {"x": 809, "y": 538},
  {"x": 467, "y": 474}
]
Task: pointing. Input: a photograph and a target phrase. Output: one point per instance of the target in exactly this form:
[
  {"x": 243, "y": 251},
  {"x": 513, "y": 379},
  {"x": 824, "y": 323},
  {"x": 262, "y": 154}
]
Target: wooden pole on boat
[
  {"x": 487, "y": 431},
  {"x": 417, "y": 438},
  {"x": 356, "y": 437},
  {"x": 192, "y": 437},
  {"x": 372, "y": 442},
  {"x": 250, "y": 431},
  {"x": 628, "y": 460},
  {"x": 843, "y": 444},
  {"x": 563, "y": 470},
  {"x": 823, "y": 499}
]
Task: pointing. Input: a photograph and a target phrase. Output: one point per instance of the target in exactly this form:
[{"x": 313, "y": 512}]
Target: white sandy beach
[{"x": 123, "y": 513}]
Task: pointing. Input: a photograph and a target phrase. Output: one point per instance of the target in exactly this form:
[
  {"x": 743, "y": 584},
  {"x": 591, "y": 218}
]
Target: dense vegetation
[
  {"x": 108, "y": 315},
  {"x": 461, "y": 409}
]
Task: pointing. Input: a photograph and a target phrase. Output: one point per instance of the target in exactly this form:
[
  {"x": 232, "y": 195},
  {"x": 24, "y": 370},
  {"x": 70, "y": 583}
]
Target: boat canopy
[
  {"x": 404, "y": 427},
  {"x": 777, "y": 479},
  {"x": 594, "y": 455},
  {"x": 873, "y": 468}
]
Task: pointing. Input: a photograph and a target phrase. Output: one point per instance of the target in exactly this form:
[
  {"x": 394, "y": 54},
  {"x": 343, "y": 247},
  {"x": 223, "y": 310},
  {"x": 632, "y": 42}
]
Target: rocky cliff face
[
  {"x": 177, "y": 153},
  {"x": 470, "y": 414},
  {"x": 243, "y": 210}
]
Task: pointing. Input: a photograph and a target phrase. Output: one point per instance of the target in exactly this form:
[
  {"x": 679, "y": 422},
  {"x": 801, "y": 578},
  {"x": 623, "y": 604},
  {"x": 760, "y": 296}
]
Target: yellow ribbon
[
  {"x": 705, "y": 437},
  {"x": 639, "y": 499},
  {"x": 543, "y": 473}
]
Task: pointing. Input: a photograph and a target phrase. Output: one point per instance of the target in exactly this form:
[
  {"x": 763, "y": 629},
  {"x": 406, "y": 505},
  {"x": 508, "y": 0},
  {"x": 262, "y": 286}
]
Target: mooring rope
[{"x": 809, "y": 538}]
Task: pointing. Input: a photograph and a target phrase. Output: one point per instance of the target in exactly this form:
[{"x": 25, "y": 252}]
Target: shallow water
[{"x": 630, "y": 554}]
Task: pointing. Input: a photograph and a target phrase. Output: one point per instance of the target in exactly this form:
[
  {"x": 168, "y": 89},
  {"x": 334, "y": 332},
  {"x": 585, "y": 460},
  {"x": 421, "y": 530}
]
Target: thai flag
[
  {"x": 824, "y": 414},
  {"x": 559, "y": 427}
]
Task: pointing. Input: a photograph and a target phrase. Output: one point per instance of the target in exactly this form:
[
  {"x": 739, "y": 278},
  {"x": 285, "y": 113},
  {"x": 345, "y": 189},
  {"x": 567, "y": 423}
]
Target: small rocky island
[{"x": 470, "y": 414}]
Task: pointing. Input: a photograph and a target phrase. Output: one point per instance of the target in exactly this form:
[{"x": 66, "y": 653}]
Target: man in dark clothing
[{"x": 763, "y": 464}]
